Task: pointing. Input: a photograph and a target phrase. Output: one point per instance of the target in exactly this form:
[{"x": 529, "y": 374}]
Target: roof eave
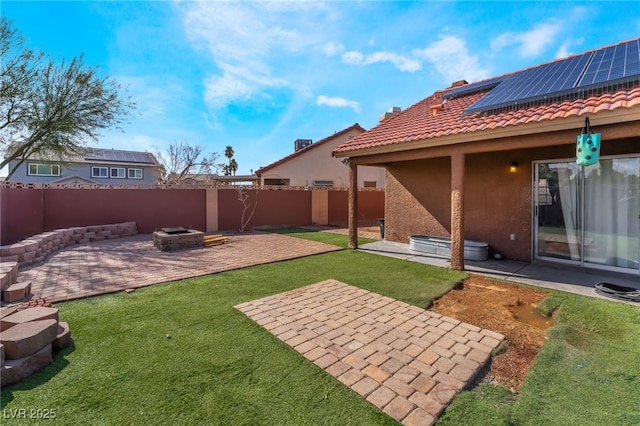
[{"x": 621, "y": 115}]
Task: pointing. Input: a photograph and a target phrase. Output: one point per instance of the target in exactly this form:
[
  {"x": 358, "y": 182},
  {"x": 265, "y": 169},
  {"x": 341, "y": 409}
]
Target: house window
[
  {"x": 36, "y": 169},
  {"x": 117, "y": 172},
  {"x": 324, "y": 183},
  {"x": 100, "y": 172},
  {"x": 281, "y": 182},
  {"x": 370, "y": 184},
  {"x": 134, "y": 173}
]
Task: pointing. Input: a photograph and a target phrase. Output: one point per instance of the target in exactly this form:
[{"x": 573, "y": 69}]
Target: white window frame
[
  {"x": 276, "y": 182},
  {"x": 100, "y": 170},
  {"x": 137, "y": 173},
  {"x": 323, "y": 183},
  {"x": 120, "y": 173},
  {"x": 54, "y": 169}
]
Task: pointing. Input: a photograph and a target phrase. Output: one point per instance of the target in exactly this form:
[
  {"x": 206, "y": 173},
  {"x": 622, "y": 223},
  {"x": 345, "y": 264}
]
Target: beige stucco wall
[
  {"x": 317, "y": 163},
  {"x": 497, "y": 203},
  {"x": 320, "y": 207},
  {"x": 212, "y": 210}
]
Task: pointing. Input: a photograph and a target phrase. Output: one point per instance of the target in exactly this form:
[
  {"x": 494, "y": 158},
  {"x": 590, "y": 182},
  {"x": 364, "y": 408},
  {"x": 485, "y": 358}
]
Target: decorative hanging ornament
[{"x": 588, "y": 146}]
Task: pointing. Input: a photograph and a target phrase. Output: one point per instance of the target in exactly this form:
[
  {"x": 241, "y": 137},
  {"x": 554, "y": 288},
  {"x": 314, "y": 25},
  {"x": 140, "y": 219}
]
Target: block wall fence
[{"x": 27, "y": 211}]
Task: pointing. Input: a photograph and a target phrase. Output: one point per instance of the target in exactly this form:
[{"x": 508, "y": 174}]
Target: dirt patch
[{"x": 486, "y": 303}]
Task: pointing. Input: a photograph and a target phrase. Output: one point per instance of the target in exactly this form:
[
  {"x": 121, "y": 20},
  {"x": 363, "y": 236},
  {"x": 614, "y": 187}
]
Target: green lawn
[
  {"x": 324, "y": 237},
  {"x": 218, "y": 367}
]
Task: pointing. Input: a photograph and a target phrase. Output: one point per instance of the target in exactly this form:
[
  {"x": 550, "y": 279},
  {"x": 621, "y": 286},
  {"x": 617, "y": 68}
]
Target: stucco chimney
[
  {"x": 459, "y": 83},
  {"x": 392, "y": 111}
]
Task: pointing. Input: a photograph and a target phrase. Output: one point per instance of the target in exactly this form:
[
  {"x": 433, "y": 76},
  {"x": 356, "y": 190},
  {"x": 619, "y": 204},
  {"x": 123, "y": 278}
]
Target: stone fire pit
[{"x": 168, "y": 239}]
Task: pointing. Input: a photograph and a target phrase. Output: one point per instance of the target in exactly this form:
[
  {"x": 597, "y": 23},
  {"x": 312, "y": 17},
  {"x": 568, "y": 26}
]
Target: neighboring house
[
  {"x": 213, "y": 179},
  {"x": 96, "y": 166},
  {"x": 312, "y": 165},
  {"x": 495, "y": 161}
]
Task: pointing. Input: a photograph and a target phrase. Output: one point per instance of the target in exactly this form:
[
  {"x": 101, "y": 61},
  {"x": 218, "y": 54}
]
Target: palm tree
[
  {"x": 232, "y": 166},
  {"x": 228, "y": 152}
]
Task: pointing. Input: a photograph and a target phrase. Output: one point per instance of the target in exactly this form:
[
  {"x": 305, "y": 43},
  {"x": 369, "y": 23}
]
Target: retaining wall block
[
  {"x": 63, "y": 338},
  {"x": 27, "y": 256},
  {"x": 16, "y": 370},
  {"x": 28, "y": 338},
  {"x": 37, "y": 313}
]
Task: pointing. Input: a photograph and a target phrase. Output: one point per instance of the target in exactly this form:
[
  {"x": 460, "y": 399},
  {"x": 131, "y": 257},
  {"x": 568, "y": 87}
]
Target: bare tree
[
  {"x": 51, "y": 109},
  {"x": 184, "y": 160},
  {"x": 243, "y": 197}
]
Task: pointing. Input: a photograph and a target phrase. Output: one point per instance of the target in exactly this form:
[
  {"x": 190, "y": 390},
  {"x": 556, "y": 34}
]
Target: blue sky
[{"x": 257, "y": 76}]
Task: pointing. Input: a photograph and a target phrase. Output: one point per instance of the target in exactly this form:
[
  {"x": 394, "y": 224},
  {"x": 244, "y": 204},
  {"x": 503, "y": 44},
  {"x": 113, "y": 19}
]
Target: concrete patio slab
[
  {"x": 556, "y": 276},
  {"x": 405, "y": 360}
]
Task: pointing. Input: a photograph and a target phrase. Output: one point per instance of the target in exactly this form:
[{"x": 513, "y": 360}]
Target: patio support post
[
  {"x": 457, "y": 211},
  {"x": 353, "y": 205}
]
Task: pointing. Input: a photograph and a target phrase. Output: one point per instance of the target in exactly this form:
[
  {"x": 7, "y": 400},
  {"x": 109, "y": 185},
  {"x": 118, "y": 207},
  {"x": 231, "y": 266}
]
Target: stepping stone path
[
  {"x": 405, "y": 360},
  {"x": 28, "y": 339}
]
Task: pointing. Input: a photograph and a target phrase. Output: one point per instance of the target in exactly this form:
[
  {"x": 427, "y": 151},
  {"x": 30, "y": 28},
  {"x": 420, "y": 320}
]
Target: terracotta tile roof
[
  {"x": 418, "y": 121},
  {"x": 309, "y": 148}
]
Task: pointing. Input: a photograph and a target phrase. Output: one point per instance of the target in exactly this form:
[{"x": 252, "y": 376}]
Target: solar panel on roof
[
  {"x": 534, "y": 83},
  {"x": 475, "y": 87},
  {"x": 613, "y": 63},
  {"x": 121, "y": 156},
  {"x": 141, "y": 157},
  {"x": 605, "y": 67}
]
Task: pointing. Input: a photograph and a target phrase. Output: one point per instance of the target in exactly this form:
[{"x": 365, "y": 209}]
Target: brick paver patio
[
  {"x": 405, "y": 360},
  {"x": 95, "y": 268}
]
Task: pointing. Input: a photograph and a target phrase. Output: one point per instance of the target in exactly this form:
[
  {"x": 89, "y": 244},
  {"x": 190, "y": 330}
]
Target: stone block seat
[
  {"x": 8, "y": 273},
  {"x": 16, "y": 292},
  {"x": 28, "y": 315},
  {"x": 15, "y": 370},
  {"x": 28, "y": 338},
  {"x": 63, "y": 338},
  {"x": 27, "y": 342}
]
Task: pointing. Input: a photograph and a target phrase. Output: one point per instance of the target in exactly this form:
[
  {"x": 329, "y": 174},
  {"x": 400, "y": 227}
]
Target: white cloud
[
  {"x": 152, "y": 98},
  {"x": 219, "y": 90},
  {"x": 563, "y": 50},
  {"x": 337, "y": 103},
  {"x": 449, "y": 56},
  {"x": 530, "y": 43},
  {"x": 332, "y": 49},
  {"x": 251, "y": 44},
  {"x": 401, "y": 62},
  {"x": 353, "y": 57},
  {"x": 452, "y": 59}
]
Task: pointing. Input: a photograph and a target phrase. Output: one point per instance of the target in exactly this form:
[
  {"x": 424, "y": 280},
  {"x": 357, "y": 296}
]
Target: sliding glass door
[{"x": 589, "y": 215}]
